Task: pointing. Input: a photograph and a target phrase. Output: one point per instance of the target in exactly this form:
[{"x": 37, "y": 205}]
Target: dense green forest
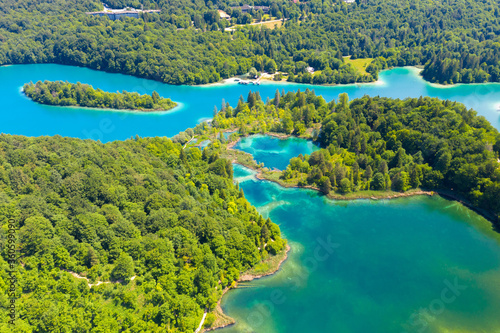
[
  {"x": 67, "y": 94},
  {"x": 142, "y": 208},
  {"x": 455, "y": 40},
  {"x": 118, "y": 4},
  {"x": 375, "y": 143}
]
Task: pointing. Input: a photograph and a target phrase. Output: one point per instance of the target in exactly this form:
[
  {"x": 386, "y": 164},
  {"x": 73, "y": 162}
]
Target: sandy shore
[
  {"x": 223, "y": 82},
  {"x": 391, "y": 195}
]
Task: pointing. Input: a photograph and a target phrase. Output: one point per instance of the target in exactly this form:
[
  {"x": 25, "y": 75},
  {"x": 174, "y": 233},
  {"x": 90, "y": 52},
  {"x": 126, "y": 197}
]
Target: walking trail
[
  {"x": 78, "y": 276},
  {"x": 201, "y": 323}
]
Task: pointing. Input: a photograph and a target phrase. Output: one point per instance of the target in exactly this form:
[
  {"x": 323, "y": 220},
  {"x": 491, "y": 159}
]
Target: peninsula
[
  {"x": 373, "y": 147},
  {"x": 84, "y": 95}
]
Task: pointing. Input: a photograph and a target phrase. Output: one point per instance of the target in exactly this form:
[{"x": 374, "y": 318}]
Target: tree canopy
[
  {"x": 378, "y": 143},
  {"x": 67, "y": 94},
  {"x": 187, "y": 43},
  {"x": 142, "y": 208}
]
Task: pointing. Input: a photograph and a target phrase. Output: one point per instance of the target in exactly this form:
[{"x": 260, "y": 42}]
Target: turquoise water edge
[
  {"x": 22, "y": 116},
  {"x": 419, "y": 264},
  {"x": 274, "y": 152}
]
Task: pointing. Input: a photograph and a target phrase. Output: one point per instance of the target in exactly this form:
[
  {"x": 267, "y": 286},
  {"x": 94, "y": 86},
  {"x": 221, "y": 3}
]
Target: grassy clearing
[
  {"x": 272, "y": 24},
  {"x": 269, "y": 265},
  {"x": 268, "y": 24},
  {"x": 271, "y": 175},
  {"x": 359, "y": 64},
  {"x": 261, "y": 268},
  {"x": 240, "y": 157}
]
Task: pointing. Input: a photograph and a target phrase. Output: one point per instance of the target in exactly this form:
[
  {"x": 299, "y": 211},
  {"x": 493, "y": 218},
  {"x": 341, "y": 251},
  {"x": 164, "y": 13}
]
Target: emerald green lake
[
  {"x": 22, "y": 116},
  {"x": 407, "y": 265}
]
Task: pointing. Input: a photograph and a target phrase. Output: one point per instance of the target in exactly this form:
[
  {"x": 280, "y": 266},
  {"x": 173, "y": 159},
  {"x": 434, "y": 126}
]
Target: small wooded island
[{"x": 84, "y": 95}]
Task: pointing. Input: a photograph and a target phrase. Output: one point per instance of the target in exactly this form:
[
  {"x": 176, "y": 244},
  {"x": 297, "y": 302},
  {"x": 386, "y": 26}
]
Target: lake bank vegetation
[
  {"x": 376, "y": 144},
  {"x": 187, "y": 43},
  {"x": 267, "y": 267},
  {"x": 84, "y": 95},
  {"x": 166, "y": 224}
]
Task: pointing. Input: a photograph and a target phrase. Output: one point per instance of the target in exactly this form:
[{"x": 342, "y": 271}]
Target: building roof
[
  {"x": 248, "y": 7},
  {"x": 223, "y": 14},
  {"x": 123, "y": 11}
]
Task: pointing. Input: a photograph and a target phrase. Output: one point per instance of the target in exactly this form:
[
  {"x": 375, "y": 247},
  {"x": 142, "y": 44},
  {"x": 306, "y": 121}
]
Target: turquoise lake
[
  {"x": 275, "y": 152},
  {"x": 407, "y": 265},
  {"x": 21, "y": 116}
]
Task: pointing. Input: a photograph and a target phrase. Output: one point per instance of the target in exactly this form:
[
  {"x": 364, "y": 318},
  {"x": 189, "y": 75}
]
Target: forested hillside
[
  {"x": 164, "y": 228},
  {"x": 379, "y": 144},
  {"x": 456, "y": 40},
  {"x": 67, "y": 94}
]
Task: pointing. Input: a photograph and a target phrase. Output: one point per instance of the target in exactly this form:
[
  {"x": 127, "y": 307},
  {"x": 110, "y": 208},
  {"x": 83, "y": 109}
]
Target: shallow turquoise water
[
  {"x": 408, "y": 265},
  {"x": 204, "y": 144},
  {"x": 275, "y": 152},
  {"x": 228, "y": 134},
  {"x": 22, "y": 116}
]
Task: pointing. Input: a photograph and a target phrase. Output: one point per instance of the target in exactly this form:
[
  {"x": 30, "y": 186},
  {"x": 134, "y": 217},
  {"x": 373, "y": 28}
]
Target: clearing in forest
[{"x": 359, "y": 64}]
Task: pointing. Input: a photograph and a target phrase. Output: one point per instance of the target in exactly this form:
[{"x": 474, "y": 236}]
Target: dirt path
[
  {"x": 78, "y": 276},
  {"x": 188, "y": 142},
  {"x": 201, "y": 323}
]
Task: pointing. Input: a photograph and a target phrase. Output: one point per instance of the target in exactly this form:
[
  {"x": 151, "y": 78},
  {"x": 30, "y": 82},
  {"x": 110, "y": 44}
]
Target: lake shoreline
[
  {"x": 245, "y": 277},
  {"x": 358, "y": 196},
  {"x": 135, "y": 111},
  {"x": 370, "y": 195},
  {"x": 32, "y": 93},
  {"x": 385, "y": 195},
  {"x": 448, "y": 195},
  {"x": 267, "y": 80},
  {"x": 232, "y": 80},
  {"x": 236, "y": 79}
]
